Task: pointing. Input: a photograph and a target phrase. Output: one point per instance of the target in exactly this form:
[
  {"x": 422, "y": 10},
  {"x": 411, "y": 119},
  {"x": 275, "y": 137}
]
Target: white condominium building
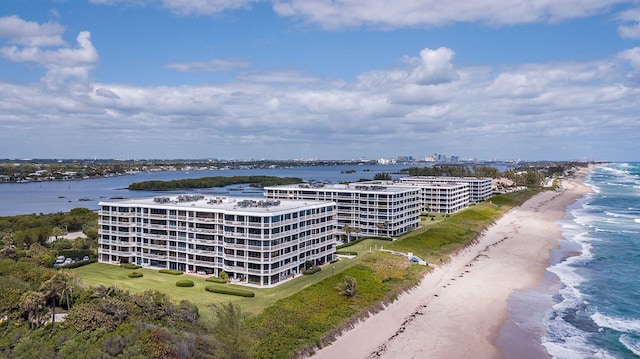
[
  {"x": 479, "y": 187},
  {"x": 255, "y": 241},
  {"x": 378, "y": 211},
  {"x": 435, "y": 197}
]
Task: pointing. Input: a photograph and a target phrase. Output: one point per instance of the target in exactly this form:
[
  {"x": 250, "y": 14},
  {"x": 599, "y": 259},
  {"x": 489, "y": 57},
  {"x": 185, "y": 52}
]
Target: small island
[{"x": 217, "y": 181}]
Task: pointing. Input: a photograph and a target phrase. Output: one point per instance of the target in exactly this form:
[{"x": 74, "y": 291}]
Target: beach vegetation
[
  {"x": 348, "y": 286},
  {"x": 229, "y": 333}
]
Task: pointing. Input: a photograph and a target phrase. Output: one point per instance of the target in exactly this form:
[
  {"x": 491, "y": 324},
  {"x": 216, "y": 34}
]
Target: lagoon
[{"x": 62, "y": 196}]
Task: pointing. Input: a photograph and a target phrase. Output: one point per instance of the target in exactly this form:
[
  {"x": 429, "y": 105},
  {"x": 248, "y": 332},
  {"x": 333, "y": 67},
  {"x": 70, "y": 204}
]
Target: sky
[{"x": 320, "y": 79}]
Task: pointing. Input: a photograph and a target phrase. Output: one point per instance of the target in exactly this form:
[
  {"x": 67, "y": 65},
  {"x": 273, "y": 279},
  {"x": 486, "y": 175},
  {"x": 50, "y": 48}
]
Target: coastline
[{"x": 459, "y": 308}]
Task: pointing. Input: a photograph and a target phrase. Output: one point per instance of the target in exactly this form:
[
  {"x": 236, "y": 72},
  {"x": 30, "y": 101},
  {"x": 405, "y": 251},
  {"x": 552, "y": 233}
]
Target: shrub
[
  {"x": 79, "y": 263},
  {"x": 231, "y": 291},
  {"x": 170, "y": 271},
  {"x": 216, "y": 280},
  {"x": 130, "y": 266},
  {"x": 134, "y": 275},
  {"x": 312, "y": 270},
  {"x": 184, "y": 283}
]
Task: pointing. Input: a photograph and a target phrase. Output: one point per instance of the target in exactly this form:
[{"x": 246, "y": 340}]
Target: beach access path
[{"x": 459, "y": 307}]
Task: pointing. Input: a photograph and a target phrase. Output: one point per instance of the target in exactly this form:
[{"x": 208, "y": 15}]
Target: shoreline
[{"x": 459, "y": 308}]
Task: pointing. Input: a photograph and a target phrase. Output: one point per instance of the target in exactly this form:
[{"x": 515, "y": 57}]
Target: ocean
[{"x": 587, "y": 305}]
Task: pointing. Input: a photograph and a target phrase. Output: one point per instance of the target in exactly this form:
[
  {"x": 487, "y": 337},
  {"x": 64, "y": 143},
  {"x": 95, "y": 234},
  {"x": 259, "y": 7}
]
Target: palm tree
[
  {"x": 347, "y": 287},
  {"x": 33, "y": 303},
  {"x": 347, "y": 230},
  {"x": 102, "y": 292},
  {"x": 55, "y": 288}
]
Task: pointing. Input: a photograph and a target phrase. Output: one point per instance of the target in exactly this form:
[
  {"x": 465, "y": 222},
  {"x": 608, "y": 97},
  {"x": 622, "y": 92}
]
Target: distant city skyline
[{"x": 287, "y": 79}]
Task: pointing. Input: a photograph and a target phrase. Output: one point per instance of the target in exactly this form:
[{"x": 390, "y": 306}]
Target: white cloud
[
  {"x": 61, "y": 63},
  {"x": 630, "y": 27},
  {"x": 275, "y": 76},
  {"x": 28, "y": 33},
  {"x": 186, "y": 7},
  {"x": 205, "y": 7},
  {"x": 208, "y": 66},
  {"x": 525, "y": 110},
  {"x": 411, "y": 13}
]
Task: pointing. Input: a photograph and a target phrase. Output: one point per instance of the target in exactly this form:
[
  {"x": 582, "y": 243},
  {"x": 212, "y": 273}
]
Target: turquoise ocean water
[{"x": 588, "y": 304}]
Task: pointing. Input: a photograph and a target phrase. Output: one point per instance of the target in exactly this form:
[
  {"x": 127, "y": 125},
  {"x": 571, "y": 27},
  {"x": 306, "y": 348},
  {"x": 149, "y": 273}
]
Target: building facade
[
  {"x": 479, "y": 187},
  {"x": 378, "y": 211},
  {"x": 259, "y": 242},
  {"x": 446, "y": 198}
]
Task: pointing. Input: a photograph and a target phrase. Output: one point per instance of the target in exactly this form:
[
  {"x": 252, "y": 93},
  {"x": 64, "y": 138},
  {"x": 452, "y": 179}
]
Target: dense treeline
[
  {"x": 208, "y": 182},
  {"x": 453, "y": 171},
  {"x": 22, "y": 231},
  {"x": 52, "y": 169},
  {"x": 100, "y": 322}
]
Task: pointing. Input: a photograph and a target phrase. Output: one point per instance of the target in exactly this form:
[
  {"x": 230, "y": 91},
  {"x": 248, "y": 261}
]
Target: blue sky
[{"x": 287, "y": 79}]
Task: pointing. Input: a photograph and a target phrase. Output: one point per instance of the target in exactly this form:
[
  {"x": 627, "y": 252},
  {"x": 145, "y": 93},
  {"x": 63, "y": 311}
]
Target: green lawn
[{"x": 112, "y": 275}]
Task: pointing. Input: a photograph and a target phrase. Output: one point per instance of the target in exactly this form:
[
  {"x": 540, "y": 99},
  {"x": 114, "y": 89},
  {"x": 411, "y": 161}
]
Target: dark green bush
[
  {"x": 228, "y": 290},
  {"x": 130, "y": 266},
  {"x": 79, "y": 263},
  {"x": 184, "y": 283},
  {"x": 170, "y": 271},
  {"x": 312, "y": 270},
  {"x": 134, "y": 275},
  {"x": 216, "y": 280}
]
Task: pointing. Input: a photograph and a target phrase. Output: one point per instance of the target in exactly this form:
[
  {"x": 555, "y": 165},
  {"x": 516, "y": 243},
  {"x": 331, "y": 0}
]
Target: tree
[
  {"x": 348, "y": 230},
  {"x": 58, "y": 232},
  {"x": 33, "y": 303},
  {"x": 102, "y": 292},
  {"x": 347, "y": 287},
  {"x": 228, "y": 332},
  {"x": 382, "y": 176},
  {"x": 55, "y": 288},
  {"x": 11, "y": 290}
]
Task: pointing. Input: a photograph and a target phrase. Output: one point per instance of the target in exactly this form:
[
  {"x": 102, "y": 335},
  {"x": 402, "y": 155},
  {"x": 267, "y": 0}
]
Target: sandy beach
[{"x": 459, "y": 308}]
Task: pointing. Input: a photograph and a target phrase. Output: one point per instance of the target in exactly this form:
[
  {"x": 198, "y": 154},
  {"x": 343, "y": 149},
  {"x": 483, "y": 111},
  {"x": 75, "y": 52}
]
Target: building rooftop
[
  {"x": 352, "y": 187},
  {"x": 197, "y": 201}
]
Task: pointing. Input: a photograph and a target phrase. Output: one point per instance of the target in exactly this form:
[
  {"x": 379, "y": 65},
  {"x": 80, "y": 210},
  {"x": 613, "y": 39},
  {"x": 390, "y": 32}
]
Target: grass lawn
[{"x": 112, "y": 275}]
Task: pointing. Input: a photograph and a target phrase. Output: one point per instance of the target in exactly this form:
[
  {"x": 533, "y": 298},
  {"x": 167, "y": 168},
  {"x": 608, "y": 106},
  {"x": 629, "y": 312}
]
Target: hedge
[
  {"x": 312, "y": 270},
  {"x": 79, "y": 263},
  {"x": 216, "y": 280},
  {"x": 228, "y": 290},
  {"x": 184, "y": 283},
  {"x": 170, "y": 271},
  {"x": 130, "y": 266},
  {"x": 135, "y": 275}
]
